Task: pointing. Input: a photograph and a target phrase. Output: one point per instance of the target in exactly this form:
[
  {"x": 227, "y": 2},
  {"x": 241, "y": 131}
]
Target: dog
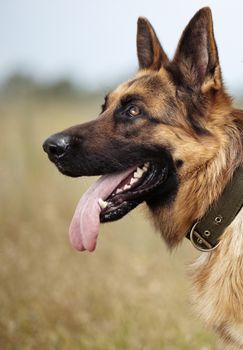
[{"x": 171, "y": 138}]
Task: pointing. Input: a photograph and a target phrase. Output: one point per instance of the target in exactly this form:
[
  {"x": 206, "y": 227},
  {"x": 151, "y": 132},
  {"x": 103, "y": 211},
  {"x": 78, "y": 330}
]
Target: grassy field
[{"x": 129, "y": 294}]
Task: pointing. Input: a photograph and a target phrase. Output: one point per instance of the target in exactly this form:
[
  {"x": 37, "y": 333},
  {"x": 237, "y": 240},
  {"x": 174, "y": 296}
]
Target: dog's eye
[{"x": 134, "y": 111}]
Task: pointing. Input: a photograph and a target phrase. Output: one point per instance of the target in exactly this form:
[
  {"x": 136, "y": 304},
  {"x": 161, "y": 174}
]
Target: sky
[{"x": 94, "y": 42}]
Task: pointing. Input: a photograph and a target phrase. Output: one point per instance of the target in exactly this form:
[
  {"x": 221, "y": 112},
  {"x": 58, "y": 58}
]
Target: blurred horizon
[{"x": 19, "y": 85}]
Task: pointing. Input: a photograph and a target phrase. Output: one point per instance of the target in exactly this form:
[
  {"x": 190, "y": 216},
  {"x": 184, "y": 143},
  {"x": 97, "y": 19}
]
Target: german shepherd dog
[{"x": 168, "y": 137}]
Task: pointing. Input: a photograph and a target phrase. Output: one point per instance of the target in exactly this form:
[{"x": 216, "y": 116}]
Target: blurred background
[{"x": 57, "y": 60}]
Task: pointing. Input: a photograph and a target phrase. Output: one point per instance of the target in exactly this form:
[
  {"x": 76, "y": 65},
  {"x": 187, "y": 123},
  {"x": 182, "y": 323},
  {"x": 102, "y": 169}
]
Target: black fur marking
[
  {"x": 177, "y": 77},
  {"x": 194, "y": 101},
  {"x": 196, "y": 126},
  {"x": 196, "y": 107},
  {"x": 166, "y": 193},
  {"x": 104, "y": 105},
  {"x": 129, "y": 98},
  {"x": 179, "y": 163}
]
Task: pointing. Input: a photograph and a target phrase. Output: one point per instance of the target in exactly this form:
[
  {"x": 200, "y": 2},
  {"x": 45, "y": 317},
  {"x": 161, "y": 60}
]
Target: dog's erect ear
[
  {"x": 196, "y": 56},
  {"x": 149, "y": 51}
]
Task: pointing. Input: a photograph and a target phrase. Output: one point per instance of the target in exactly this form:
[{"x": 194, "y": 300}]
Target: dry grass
[{"x": 130, "y": 294}]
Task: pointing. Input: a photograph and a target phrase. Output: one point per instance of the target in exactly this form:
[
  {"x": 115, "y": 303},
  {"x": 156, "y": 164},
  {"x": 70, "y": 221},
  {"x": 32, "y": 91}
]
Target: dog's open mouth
[
  {"x": 133, "y": 190},
  {"x": 110, "y": 198}
]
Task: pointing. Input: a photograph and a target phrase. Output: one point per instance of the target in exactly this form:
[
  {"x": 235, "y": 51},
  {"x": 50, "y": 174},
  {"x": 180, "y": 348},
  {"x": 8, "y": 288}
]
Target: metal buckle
[{"x": 199, "y": 242}]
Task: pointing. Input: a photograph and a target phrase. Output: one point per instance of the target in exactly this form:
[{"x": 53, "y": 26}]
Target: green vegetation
[{"x": 130, "y": 294}]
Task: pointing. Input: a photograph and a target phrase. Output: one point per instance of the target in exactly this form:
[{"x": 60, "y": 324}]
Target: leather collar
[{"x": 206, "y": 232}]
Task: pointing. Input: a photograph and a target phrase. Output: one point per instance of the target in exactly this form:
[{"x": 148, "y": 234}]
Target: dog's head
[{"x": 152, "y": 133}]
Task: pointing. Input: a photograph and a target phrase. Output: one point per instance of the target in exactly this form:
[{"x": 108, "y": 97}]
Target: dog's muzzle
[{"x": 56, "y": 146}]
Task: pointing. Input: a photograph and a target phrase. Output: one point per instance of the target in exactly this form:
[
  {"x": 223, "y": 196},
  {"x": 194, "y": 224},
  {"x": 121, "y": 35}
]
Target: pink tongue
[{"x": 84, "y": 227}]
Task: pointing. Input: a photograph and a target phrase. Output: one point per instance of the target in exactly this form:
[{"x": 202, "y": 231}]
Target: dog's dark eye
[{"x": 134, "y": 111}]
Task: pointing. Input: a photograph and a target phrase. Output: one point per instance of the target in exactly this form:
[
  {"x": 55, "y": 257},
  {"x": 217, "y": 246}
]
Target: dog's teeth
[
  {"x": 138, "y": 173},
  {"x": 118, "y": 191},
  {"x": 102, "y": 204},
  {"x": 133, "y": 181},
  {"x": 127, "y": 187},
  {"x": 146, "y": 166}
]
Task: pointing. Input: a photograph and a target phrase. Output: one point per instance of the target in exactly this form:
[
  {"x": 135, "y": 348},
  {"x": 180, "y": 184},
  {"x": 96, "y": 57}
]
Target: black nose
[{"x": 56, "y": 145}]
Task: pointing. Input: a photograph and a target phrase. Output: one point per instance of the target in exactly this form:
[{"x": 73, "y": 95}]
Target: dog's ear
[
  {"x": 149, "y": 51},
  {"x": 196, "y": 57}
]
